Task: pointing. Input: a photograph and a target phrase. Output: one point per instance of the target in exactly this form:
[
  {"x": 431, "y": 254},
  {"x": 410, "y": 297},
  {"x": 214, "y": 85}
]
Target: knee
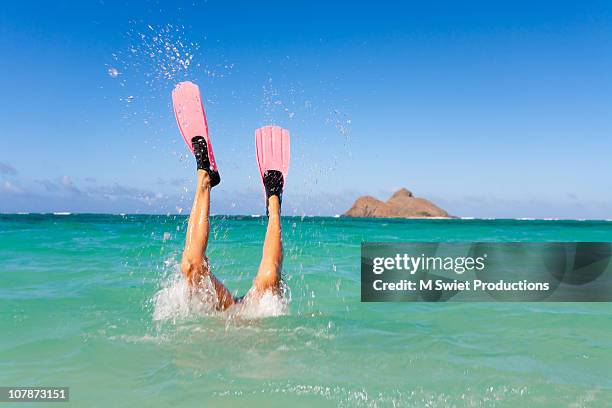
[
  {"x": 267, "y": 278},
  {"x": 189, "y": 266}
]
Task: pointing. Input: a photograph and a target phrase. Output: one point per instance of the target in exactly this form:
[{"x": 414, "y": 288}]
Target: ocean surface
[{"x": 96, "y": 303}]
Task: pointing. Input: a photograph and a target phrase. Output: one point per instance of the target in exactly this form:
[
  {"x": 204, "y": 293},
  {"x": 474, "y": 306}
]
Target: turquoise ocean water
[{"x": 87, "y": 301}]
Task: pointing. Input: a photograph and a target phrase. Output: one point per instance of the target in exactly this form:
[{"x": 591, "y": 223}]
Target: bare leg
[
  {"x": 269, "y": 273},
  {"x": 194, "y": 264}
]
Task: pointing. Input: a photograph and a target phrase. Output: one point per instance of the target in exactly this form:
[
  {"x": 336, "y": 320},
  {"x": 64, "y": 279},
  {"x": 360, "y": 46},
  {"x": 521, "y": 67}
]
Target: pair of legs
[{"x": 194, "y": 264}]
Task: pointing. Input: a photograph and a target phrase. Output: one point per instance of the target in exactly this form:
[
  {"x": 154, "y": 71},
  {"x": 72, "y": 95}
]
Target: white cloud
[
  {"x": 7, "y": 170},
  {"x": 9, "y": 187}
]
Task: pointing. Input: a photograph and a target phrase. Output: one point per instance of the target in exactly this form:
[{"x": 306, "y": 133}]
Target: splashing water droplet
[{"x": 113, "y": 72}]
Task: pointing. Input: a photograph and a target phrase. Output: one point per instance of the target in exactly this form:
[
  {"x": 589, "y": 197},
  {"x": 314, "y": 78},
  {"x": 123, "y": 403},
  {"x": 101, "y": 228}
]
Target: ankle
[
  {"x": 203, "y": 179},
  {"x": 274, "y": 206}
]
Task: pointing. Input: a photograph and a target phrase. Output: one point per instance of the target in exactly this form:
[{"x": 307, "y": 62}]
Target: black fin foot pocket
[
  {"x": 200, "y": 151},
  {"x": 215, "y": 178},
  {"x": 273, "y": 182}
]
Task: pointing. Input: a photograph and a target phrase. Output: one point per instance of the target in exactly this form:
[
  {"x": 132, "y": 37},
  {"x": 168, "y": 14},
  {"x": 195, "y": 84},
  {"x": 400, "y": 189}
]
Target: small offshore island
[{"x": 402, "y": 204}]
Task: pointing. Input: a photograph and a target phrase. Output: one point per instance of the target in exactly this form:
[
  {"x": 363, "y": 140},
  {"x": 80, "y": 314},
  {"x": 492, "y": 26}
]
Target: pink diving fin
[
  {"x": 191, "y": 118},
  {"x": 273, "y": 148}
]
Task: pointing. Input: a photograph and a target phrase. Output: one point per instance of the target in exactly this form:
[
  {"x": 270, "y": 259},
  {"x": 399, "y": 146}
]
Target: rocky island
[{"x": 402, "y": 204}]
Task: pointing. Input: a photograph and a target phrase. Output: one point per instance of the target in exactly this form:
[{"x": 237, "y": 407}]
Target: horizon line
[{"x": 68, "y": 213}]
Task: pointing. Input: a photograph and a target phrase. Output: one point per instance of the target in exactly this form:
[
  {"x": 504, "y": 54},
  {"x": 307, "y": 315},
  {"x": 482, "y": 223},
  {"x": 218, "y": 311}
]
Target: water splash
[
  {"x": 175, "y": 301},
  {"x": 273, "y": 103},
  {"x": 113, "y": 72},
  {"x": 162, "y": 52},
  {"x": 269, "y": 304},
  {"x": 341, "y": 121}
]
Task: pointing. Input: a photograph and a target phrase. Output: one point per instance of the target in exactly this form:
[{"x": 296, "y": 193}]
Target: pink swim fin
[
  {"x": 273, "y": 148},
  {"x": 191, "y": 118}
]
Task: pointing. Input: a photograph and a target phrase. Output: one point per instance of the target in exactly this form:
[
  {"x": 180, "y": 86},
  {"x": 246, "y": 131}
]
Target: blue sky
[{"x": 489, "y": 109}]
